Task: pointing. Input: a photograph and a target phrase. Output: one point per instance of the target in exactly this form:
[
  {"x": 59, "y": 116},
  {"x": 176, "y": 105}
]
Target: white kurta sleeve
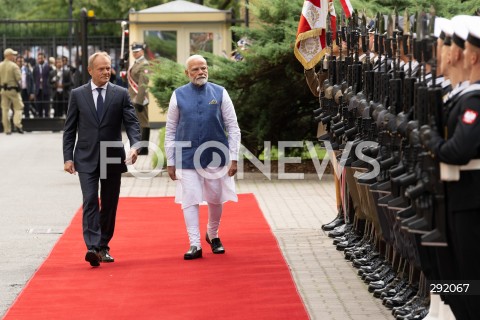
[
  {"x": 171, "y": 129},
  {"x": 231, "y": 125}
]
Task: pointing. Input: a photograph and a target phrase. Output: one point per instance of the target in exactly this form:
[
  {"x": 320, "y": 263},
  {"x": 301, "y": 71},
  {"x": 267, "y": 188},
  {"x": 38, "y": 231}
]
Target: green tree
[{"x": 268, "y": 87}]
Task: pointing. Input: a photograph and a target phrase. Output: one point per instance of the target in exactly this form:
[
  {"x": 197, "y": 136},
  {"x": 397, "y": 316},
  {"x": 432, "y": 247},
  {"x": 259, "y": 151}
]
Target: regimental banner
[{"x": 310, "y": 43}]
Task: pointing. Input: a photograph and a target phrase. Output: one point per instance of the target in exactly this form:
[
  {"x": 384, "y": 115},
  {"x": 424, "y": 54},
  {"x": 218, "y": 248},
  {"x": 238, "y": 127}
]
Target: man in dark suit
[
  {"x": 95, "y": 116},
  {"x": 61, "y": 84},
  {"x": 41, "y": 75},
  {"x": 27, "y": 87}
]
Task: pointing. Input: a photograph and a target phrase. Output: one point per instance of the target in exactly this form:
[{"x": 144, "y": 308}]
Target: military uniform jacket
[
  {"x": 10, "y": 74},
  {"x": 138, "y": 73},
  {"x": 461, "y": 146}
]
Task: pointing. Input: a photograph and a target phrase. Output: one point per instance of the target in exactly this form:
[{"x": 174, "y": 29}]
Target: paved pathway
[{"x": 38, "y": 200}]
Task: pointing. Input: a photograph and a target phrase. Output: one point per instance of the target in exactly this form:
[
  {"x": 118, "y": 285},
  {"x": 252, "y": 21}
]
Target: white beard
[{"x": 200, "y": 81}]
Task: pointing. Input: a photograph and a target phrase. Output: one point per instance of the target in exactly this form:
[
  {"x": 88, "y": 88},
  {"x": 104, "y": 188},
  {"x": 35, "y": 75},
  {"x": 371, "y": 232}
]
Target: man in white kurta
[{"x": 202, "y": 143}]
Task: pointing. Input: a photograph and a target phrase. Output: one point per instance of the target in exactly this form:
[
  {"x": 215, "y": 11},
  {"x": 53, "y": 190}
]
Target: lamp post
[
  {"x": 84, "y": 43},
  {"x": 70, "y": 30}
]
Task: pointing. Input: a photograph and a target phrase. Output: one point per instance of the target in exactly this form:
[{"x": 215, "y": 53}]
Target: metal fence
[{"x": 62, "y": 38}]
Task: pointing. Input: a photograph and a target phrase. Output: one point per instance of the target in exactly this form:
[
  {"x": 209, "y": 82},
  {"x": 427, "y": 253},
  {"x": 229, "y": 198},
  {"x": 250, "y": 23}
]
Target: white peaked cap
[
  {"x": 459, "y": 24},
  {"x": 447, "y": 27},
  {"x": 473, "y": 26},
  {"x": 439, "y": 21}
]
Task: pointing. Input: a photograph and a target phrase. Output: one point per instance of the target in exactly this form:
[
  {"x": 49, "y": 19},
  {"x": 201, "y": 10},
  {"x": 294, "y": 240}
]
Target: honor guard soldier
[
  {"x": 10, "y": 77},
  {"x": 459, "y": 154},
  {"x": 138, "y": 90}
]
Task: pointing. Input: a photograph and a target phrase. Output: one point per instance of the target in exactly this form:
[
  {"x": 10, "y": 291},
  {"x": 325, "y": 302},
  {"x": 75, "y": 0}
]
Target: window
[
  {"x": 201, "y": 41},
  {"x": 161, "y": 44}
]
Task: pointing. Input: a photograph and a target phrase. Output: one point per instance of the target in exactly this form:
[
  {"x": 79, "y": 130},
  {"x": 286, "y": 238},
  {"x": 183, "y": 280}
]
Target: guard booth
[{"x": 176, "y": 30}]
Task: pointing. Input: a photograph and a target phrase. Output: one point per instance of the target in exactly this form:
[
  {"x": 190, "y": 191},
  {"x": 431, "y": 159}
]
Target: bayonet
[
  {"x": 406, "y": 23},
  {"x": 421, "y": 24},
  {"x": 431, "y": 24},
  {"x": 329, "y": 31},
  {"x": 431, "y": 45},
  {"x": 363, "y": 32},
  {"x": 388, "y": 40},
  {"x": 390, "y": 26},
  {"x": 395, "y": 14},
  {"x": 406, "y": 35},
  {"x": 375, "y": 36},
  {"x": 381, "y": 35}
]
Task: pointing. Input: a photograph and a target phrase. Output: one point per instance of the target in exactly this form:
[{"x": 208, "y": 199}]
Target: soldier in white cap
[{"x": 460, "y": 148}]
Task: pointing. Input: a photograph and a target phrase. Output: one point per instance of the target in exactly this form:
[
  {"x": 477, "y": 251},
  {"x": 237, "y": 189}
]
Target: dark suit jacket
[
  {"x": 67, "y": 81},
  {"x": 45, "y": 75},
  {"x": 29, "y": 78},
  {"x": 82, "y": 119}
]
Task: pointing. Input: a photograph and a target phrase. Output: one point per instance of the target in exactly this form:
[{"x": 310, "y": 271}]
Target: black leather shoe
[
  {"x": 367, "y": 269},
  {"x": 401, "y": 298},
  {"x": 340, "y": 230},
  {"x": 19, "y": 130},
  {"x": 193, "y": 253},
  {"x": 391, "y": 290},
  {"x": 105, "y": 256},
  {"x": 382, "y": 283},
  {"x": 335, "y": 223},
  {"x": 216, "y": 245},
  {"x": 377, "y": 274},
  {"x": 93, "y": 257}
]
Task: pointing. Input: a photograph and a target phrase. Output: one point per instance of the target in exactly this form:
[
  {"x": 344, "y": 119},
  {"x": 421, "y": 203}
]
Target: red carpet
[{"x": 149, "y": 278}]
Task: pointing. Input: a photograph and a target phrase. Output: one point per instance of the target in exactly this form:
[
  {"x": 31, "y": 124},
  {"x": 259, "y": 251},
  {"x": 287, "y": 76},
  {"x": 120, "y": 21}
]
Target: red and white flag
[
  {"x": 347, "y": 8},
  {"x": 310, "y": 43}
]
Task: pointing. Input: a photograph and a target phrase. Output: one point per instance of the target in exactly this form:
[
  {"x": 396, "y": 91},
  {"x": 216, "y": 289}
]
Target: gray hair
[
  {"x": 95, "y": 55},
  {"x": 193, "y": 57}
]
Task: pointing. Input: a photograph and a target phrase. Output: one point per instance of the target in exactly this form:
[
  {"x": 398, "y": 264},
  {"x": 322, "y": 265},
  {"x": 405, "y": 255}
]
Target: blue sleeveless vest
[{"x": 200, "y": 121}]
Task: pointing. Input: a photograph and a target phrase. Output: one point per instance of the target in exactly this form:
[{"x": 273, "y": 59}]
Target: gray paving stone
[{"x": 38, "y": 200}]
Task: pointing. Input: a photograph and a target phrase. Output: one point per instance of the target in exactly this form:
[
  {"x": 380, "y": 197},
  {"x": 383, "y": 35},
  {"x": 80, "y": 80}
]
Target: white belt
[{"x": 450, "y": 172}]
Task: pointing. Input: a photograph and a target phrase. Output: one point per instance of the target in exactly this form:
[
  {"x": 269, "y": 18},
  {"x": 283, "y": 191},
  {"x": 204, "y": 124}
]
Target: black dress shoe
[
  {"x": 105, "y": 256},
  {"x": 193, "y": 253},
  {"x": 340, "y": 230},
  {"x": 216, "y": 245},
  {"x": 93, "y": 257},
  {"x": 339, "y": 220},
  {"x": 19, "y": 130},
  {"x": 382, "y": 283},
  {"x": 392, "y": 289},
  {"x": 377, "y": 274},
  {"x": 401, "y": 298}
]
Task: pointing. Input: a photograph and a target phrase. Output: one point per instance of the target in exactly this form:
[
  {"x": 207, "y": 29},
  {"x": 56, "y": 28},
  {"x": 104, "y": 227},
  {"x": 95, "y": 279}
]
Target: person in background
[
  {"x": 41, "y": 76},
  {"x": 10, "y": 78},
  {"x": 27, "y": 86},
  {"x": 138, "y": 90},
  {"x": 61, "y": 83}
]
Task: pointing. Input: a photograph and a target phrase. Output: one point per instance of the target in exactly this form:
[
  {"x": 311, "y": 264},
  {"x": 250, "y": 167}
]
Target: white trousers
[
  {"x": 195, "y": 188},
  {"x": 191, "y": 215}
]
